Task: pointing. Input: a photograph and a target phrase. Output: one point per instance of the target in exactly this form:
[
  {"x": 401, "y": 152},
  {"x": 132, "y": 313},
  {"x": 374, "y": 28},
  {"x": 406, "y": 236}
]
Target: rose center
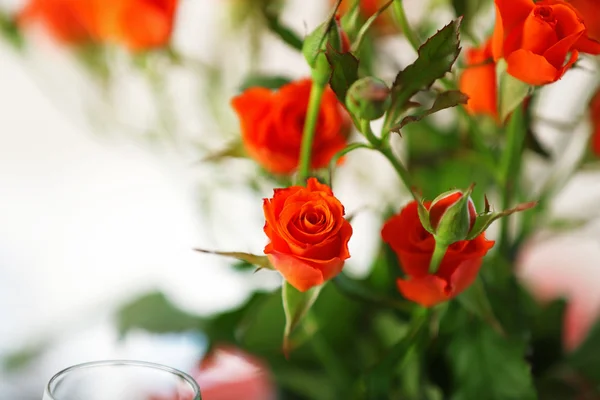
[
  {"x": 313, "y": 218},
  {"x": 545, "y": 14}
]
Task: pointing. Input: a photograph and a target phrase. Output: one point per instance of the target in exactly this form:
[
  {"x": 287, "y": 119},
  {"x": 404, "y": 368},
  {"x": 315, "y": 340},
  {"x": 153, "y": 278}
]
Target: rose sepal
[
  {"x": 455, "y": 223},
  {"x": 295, "y": 306},
  {"x": 261, "y": 262},
  {"x": 485, "y": 219}
]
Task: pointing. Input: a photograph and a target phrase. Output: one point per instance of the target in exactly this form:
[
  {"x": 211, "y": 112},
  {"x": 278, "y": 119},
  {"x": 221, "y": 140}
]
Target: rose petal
[
  {"x": 296, "y": 271},
  {"x": 427, "y": 291},
  {"x": 498, "y": 37},
  {"x": 513, "y": 12},
  {"x": 538, "y": 35},
  {"x": 557, "y": 54},
  {"x": 531, "y": 68},
  {"x": 464, "y": 275}
]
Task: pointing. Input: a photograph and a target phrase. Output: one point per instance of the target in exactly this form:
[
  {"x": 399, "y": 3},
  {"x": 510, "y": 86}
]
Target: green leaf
[
  {"x": 436, "y": 57},
  {"x": 379, "y": 378},
  {"x": 24, "y": 357},
  {"x": 468, "y": 9},
  {"x": 486, "y": 364},
  {"x": 344, "y": 67},
  {"x": 155, "y": 313},
  {"x": 443, "y": 100},
  {"x": 475, "y": 300},
  {"x": 288, "y": 36},
  {"x": 265, "y": 81},
  {"x": 361, "y": 292},
  {"x": 362, "y": 33},
  {"x": 485, "y": 219},
  {"x": 295, "y": 306},
  {"x": 547, "y": 335},
  {"x": 260, "y": 261},
  {"x": 586, "y": 358},
  {"x": 233, "y": 150},
  {"x": 315, "y": 41},
  {"x": 10, "y": 30},
  {"x": 511, "y": 91}
]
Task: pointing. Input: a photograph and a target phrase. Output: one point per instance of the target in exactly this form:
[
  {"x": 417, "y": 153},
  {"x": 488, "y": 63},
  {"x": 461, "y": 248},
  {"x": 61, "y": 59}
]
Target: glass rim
[{"x": 131, "y": 363}]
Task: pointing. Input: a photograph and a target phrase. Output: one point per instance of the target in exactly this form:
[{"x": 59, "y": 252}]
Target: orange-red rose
[
  {"x": 135, "y": 24},
  {"x": 414, "y": 247},
  {"x": 590, "y": 10},
  {"x": 595, "y": 115},
  {"x": 478, "y": 81},
  {"x": 535, "y": 39},
  {"x": 68, "y": 21},
  {"x": 308, "y": 234},
  {"x": 272, "y": 123}
]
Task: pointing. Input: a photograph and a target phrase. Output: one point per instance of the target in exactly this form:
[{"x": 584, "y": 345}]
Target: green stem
[
  {"x": 384, "y": 148},
  {"x": 325, "y": 353},
  {"x": 310, "y": 123},
  {"x": 510, "y": 170},
  {"x": 411, "y": 36},
  {"x": 365, "y": 128},
  {"x": 399, "y": 167},
  {"x": 438, "y": 255}
]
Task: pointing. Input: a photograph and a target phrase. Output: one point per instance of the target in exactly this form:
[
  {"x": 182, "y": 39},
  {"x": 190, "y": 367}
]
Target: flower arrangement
[{"x": 441, "y": 312}]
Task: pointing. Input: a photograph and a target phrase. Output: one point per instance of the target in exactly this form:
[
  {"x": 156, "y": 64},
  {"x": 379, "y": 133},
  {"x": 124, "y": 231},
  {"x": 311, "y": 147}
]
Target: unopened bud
[
  {"x": 368, "y": 98},
  {"x": 452, "y": 216}
]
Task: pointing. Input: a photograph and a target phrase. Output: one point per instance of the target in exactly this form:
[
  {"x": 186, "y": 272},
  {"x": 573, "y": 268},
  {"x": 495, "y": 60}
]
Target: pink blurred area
[
  {"x": 227, "y": 373},
  {"x": 566, "y": 267},
  {"x": 230, "y": 374}
]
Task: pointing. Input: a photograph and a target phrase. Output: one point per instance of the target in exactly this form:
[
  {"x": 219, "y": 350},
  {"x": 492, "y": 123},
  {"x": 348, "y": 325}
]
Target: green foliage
[
  {"x": 436, "y": 57},
  {"x": 443, "y": 100},
  {"x": 586, "y": 358},
  {"x": 10, "y": 31},
  {"x": 344, "y": 72},
  {"x": 287, "y": 35},
  {"x": 154, "y": 313},
  {"x": 487, "y": 365},
  {"x": 468, "y": 9},
  {"x": 23, "y": 357},
  {"x": 266, "y": 81},
  {"x": 546, "y": 336}
]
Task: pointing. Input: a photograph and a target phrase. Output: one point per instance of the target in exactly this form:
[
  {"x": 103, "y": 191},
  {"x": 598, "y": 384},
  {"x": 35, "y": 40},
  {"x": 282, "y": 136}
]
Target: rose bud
[
  {"x": 452, "y": 216},
  {"x": 414, "y": 247},
  {"x": 368, "y": 98}
]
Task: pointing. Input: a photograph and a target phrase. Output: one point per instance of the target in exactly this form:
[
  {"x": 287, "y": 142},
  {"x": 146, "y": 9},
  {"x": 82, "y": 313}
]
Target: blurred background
[{"x": 104, "y": 193}]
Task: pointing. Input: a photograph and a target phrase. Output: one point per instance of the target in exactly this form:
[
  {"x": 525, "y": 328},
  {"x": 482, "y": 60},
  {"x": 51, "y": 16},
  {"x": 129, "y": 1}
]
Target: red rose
[
  {"x": 478, "y": 81},
  {"x": 308, "y": 234},
  {"x": 135, "y": 24},
  {"x": 272, "y": 123},
  {"x": 68, "y": 21},
  {"x": 414, "y": 247},
  {"x": 595, "y": 115},
  {"x": 535, "y": 38},
  {"x": 590, "y": 10}
]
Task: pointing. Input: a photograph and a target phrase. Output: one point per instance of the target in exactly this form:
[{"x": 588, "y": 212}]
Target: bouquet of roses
[{"x": 441, "y": 312}]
